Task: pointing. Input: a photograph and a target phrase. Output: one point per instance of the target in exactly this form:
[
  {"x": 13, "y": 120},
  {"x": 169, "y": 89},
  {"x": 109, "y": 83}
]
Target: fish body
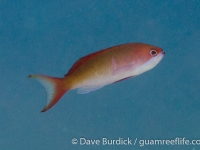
[{"x": 101, "y": 68}]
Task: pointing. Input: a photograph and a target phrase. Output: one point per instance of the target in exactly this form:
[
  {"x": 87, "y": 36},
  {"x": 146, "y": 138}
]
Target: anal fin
[{"x": 88, "y": 89}]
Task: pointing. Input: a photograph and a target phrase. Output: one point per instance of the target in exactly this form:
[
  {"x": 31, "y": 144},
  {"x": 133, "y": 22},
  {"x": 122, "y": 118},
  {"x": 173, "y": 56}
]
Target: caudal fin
[{"x": 54, "y": 88}]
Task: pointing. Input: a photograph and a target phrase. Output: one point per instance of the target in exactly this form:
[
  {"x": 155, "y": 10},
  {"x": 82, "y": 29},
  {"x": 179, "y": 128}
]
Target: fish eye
[{"x": 153, "y": 52}]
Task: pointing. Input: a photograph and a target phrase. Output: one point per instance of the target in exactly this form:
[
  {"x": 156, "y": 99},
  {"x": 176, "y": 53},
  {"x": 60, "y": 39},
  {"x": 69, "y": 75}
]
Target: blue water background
[{"x": 47, "y": 37}]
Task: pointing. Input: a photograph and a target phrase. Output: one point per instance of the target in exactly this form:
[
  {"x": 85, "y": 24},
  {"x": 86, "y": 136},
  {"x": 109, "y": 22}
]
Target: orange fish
[{"x": 101, "y": 68}]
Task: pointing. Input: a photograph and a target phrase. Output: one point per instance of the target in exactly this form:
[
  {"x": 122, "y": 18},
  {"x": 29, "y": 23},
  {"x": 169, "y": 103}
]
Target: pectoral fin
[
  {"x": 123, "y": 69},
  {"x": 120, "y": 69}
]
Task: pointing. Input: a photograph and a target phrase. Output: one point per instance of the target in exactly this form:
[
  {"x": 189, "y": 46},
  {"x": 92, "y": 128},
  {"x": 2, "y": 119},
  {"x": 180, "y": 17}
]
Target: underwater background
[{"x": 47, "y": 37}]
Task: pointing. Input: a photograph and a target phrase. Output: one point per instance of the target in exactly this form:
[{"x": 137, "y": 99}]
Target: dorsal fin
[
  {"x": 95, "y": 54},
  {"x": 82, "y": 61}
]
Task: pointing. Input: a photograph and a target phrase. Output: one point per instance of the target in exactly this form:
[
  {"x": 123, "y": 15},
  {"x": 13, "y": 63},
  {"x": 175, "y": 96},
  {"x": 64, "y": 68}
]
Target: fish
[{"x": 101, "y": 68}]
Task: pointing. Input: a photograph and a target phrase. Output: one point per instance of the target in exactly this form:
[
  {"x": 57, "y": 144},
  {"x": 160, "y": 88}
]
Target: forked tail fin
[{"x": 54, "y": 88}]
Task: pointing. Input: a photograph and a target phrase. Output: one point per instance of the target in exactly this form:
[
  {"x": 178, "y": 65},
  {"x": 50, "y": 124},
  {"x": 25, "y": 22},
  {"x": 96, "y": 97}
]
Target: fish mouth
[
  {"x": 161, "y": 54},
  {"x": 159, "y": 57}
]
